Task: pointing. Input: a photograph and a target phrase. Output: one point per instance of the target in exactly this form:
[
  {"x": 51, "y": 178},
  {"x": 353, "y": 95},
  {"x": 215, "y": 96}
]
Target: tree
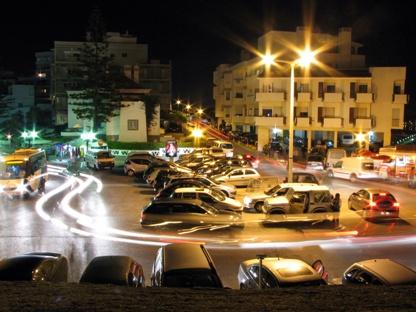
[
  {"x": 151, "y": 102},
  {"x": 96, "y": 98}
]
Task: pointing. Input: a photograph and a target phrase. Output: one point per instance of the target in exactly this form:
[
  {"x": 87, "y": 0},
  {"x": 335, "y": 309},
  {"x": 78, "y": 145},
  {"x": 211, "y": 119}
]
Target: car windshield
[
  {"x": 272, "y": 190},
  {"x": 217, "y": 195},
  {"x": 12, "y": 170},
  {"x": 367, "y": 166},
  {"x": 227, "y": 145},
  {"x": 191, "y": 278},
  {"x": 104, "y": 155}
]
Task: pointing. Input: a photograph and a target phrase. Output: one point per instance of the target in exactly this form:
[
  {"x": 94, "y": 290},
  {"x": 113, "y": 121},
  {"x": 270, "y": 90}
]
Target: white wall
[{"x": 134, "y": 111}]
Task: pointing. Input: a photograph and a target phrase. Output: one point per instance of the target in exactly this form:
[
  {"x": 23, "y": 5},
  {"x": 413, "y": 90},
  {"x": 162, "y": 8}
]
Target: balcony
[
  {"x": 303, "y": 122},
  {"x": 363, "y": 123},
  {"x": 332, "y": 122},
  {"x": 364, "y": 98},
  {"x": 304, "y": 96},
  {"x": 395, "y": 123},
  {"x": 333, "y": 97},
  {"x": 243, "y": 119},
  {"x": 269, "y": 121},
  {"x": 270, "y": 96},
  {"x": 400, "y": 98}
]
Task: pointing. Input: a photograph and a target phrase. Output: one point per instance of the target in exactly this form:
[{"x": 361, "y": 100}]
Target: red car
[
  {"x": 374, "y": 203},
  {"x": 253, "y": 160}
]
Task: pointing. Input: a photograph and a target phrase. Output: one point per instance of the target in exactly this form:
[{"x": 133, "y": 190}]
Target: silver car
[
  {"x": 238, "y": 176},
  {"x": 280, "y": 272}
]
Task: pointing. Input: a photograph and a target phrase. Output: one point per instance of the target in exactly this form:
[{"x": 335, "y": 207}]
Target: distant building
[
  {"x": 348, "y": 97},
  {"x": 20, "y": 99},
  {"x": 57, "y": 65}
]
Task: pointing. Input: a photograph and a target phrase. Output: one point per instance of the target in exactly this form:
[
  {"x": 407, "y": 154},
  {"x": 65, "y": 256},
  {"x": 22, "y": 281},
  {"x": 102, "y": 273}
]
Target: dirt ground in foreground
[{"x": 26, "y": 296}]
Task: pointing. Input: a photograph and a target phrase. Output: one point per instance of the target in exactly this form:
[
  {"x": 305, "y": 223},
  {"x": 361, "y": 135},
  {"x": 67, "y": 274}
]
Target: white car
[
  {"x": 212, "y": 197},
  {"x": 134, "y": 166},
  {"x": 238, "y": 176}
]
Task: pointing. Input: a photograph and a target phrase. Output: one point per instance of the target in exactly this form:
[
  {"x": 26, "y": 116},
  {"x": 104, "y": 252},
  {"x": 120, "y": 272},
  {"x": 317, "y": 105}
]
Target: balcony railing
[
  {"x": 333, "y": 97},
  {"x": 304, "y": 96},
  {"x": 303, "y": 121},
  {"x": 364, "y": 98},
  {"x": 270, "y": 96},
  {"x": 269, "y": 121},
  {"x": 332, "y": 122},
  {"x": 400, "y": 98},
  {"x": 363, "y": 123}
]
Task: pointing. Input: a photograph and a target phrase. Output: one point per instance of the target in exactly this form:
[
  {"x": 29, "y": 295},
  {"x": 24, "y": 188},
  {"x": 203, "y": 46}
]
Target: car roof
[
  {"x": 113, "y": 266},
  {"x": 390, "y": 271},
  {"x": 303, "y": 187},
  {"x": 178, "y": 201},
  {"x": 185, "y": 256},
  {"x": 285, "y": 269},
  {"x": 192, "y": 190},
  {"x": 375, "y": 190}
]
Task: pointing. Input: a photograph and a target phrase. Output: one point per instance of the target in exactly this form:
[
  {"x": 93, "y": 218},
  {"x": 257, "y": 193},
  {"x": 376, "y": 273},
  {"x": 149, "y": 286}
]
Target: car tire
[
  {"x": 259, "y": 207},
  {"x": 130, "y": 173},
  {"x": 25, "y": 195},
  {"x": 242, "y": 286},
  {"x": 353, "y": 178},
  {"x": 319, "y": 210},
  {"x": 41, "y": 187},
  {"x": 350, "y": 205}
]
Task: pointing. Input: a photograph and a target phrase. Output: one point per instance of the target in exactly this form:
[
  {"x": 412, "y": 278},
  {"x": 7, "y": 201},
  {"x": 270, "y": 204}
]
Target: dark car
[
  {"x": 280, "y": 272},
  {"x": 228, "y": 189},
  {"x": 153, "y": 166},
  {"x": 38, "y": 267},
  {"x": 171, "y": 187},
  {"x": 184, "y": 265},
  {"x": 163, "y": 213},
  {"x": 374, "y": 204},
  {"x": 379, "y": 272},
  {"x": 118, "y": 270}
]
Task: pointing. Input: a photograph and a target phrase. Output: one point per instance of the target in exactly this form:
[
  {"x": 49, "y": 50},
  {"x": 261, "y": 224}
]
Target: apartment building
[
  {"x": 343, "y": 96},
  {"x": 54, "y": 70}
]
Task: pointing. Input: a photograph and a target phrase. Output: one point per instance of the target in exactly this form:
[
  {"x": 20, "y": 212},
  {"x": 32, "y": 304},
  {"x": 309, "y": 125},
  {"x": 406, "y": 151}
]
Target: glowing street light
[
  {"x": 9, "y": 138},
  {"x": 188, "y": 107},
  {"x": 197, "y": 133},
  {"x": 306, "y": 57}
]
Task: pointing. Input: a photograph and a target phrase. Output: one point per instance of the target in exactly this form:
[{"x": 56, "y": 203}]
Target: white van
[
  {"x": 347, "y": 139},
  {"x": 353, "y": 168},
  {"x": 334, "y": 155},
  {"x": 99, "y": 160},
  {"x": 226, "y": 146}
]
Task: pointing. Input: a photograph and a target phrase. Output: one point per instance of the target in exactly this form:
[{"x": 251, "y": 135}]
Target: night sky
[{"x": 198, "y": 35}]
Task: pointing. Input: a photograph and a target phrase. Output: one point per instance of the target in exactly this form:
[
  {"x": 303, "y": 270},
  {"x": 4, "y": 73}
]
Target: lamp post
[
  {"x": 306, "y": 58},
  {"x": 25, "y": 135},
  {"x": 9, "y": 138}
]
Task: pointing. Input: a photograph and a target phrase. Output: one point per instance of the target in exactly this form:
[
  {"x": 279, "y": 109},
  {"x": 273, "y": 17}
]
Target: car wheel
[
  {"x": 330, "y": 174},
  {"x": 259, "y": 206},
  {"x": 350, "y": 205},
  {"x": 41, "y": 188},
  {"x": 243, "y": 286},
  {"x": 319, "y": 210},
  {"x": 353, "y": 178},
  {"x": 130, "y": 173},
  {"x": 25, "y": 195}
]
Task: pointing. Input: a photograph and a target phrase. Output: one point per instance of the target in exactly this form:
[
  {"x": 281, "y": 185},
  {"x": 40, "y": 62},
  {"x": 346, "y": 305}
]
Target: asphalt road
[{"x": 108, "y": 223}]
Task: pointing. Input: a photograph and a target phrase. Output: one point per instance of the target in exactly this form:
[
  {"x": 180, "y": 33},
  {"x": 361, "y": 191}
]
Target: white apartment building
[{"x": 342, "y": 97}]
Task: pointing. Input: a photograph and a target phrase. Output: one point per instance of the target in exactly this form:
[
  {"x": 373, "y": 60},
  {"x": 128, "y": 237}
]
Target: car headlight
[
  {"x": 21, "y": 188},
  {"x": 247, "y": 201}
]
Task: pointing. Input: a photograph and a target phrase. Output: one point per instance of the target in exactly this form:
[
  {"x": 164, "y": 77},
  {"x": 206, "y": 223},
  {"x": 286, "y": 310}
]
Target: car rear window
[
  {"x": 191, "y": 278},
  {"x": 379, "y": 196},
  {"x": 367, "y": 166}
]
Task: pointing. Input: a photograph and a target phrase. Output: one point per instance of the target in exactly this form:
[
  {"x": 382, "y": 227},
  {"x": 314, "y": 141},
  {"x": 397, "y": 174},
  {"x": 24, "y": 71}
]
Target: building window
[
  {"x": 330, "y": 88},
  {"x": 397, "y": 88},
  {"x": 239, "y": 95},
  {"x": 304, "y": 87},
  {"x": 362, "y": 88},
  {"x": 124, "y": 54},
  {"x": 320, "y": 89},
  {"x": 227, "y": 95},
  {"x": 352, "y": 90},
  {"x": 395, "y": 117},
  {"x": 267, "y": 112},
  {"x": 132, "y": 124}
]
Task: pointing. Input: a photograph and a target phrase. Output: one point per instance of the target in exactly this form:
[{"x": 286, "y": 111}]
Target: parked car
[
  {"x": 135, "y": 166},
  {"x": 228, "y": 189},
  {"x": 302, "y": 199},
  {"x": 143, "y": 155},
  {"x": 256, "y": 200},
  {"x": 254, "y": 161},
  {"x": 379, "y": 272},
  {"x": 226, "y": 146},
  {"x": 315, "y": 162},
  {"x": 333, "y": 155},
  {"x": 374, "y": 203},
  {"x": 184, "y": 265},
  {"x": 170, "y": 188},
  {"x": 99, "y": 160},
  {"x": 36, "y": 266},
  {"x": 152, "y": 167},
  {"x": 210, "y": 196},
  {"x": 353, "y": 168},
  {"x": 118, "y": 270},
  {"x": 187, "y": 212},
  {"x": 238, "y": 176},
  {"x": 216, "y": 152},
  {"x": 280, "y": 272}
]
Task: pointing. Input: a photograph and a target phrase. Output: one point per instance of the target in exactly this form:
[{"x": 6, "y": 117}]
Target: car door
[
  {"x": 207, "y": 198},
  {"x": 188, "y": 214},
  {"x": 250, "y": 174},
  {"x": 298, "y": 201},
  {"x": 337, "y": 170},
  {"x": 236, "y": 177}
]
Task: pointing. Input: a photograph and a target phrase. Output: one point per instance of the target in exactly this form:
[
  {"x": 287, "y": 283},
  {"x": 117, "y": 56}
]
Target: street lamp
[
  {"x": 305, "y": 59},
  {"x": 178, "y": 102},
  {"x": 197, "y": 133},
  {"x": 9, "y": 138}
]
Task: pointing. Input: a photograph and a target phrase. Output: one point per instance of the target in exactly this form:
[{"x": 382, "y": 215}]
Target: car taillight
[
  {"x": 397, "y": 205},
  {"x": 373, "y": 204}
]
